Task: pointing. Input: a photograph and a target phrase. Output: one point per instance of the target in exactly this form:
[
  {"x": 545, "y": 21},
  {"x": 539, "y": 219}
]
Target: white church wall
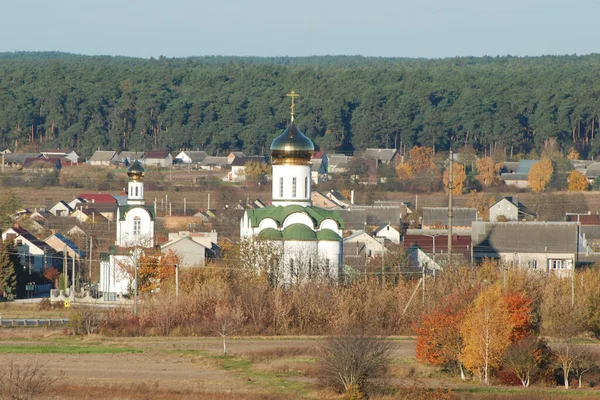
[
  {"x": 115, "y": 276},
  {"x": 331, "y": 225},
  {"x": 298, "y": 218},
  {"x": 298, "y": 258},
  {"x": 330, "y": 255},
  {"x": 128, "y": 237},
  {"x": 283, "y": 194}
]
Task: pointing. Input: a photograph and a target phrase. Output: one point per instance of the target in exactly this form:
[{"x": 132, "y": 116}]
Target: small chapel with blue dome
[{"x": 307, "y": 239}]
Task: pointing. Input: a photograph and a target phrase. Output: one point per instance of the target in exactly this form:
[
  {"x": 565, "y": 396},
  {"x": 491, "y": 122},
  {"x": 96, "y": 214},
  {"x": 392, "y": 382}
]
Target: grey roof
[
  {"x": 593, "y": 170},
  {"x": 19, "y": 158},
  {"x": 196, "y": 156},
  {"x": 491, "y": 238},
  {"x": 240, "y": 161},
  {"x": 338, "y": 160},
  {"x": 356, "y": 216},
  {"x": 461, "y": 216},
  {"x": 525, "y": 166},
  {"x": 131, "y": 155},
  {"x": 210, "y": 160},
  {"x": 103, "y": 155},
  {"x": 384, "y": 155}
]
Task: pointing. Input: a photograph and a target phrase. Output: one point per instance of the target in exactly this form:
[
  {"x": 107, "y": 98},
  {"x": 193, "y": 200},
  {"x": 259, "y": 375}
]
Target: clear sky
[{"x": 388, "y": 28}]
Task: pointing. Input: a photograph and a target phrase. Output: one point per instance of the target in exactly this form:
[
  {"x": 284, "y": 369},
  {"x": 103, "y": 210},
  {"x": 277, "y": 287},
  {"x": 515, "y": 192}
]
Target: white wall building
[
  {"x": 306, "y": 241},
  {"x": 135, "y": 232}
]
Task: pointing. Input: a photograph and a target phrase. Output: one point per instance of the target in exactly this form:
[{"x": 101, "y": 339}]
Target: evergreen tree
[{"x": 8, "y": 275}]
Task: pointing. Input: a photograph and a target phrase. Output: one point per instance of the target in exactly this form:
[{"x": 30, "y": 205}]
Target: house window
[
  {"x": 555, "y": 264},
  {"x": 137, "y": 226},
  {"x": 281, "y": 187},
  {"x": 293, "y": 187},
  {"x": 306, "y": 187},
  {"x": 532, "y": 264}
]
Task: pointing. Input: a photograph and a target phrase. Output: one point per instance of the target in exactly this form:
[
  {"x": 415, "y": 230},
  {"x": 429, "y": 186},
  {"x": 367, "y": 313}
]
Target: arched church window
[
  {"x": 137, "y": 226},
  {"x": 294, "y": 187},
  {"x": 136, "y": 191},
  {"x": 281, "y": 187},
  {"x": 306, "y": 187}
]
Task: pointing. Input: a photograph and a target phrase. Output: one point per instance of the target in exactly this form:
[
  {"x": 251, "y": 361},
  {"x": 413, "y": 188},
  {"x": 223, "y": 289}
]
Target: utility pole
[
  {"x": 90, "y": 260},
  {"x": 176, "y": 280},
  {"x": 2, "y": 162},
  {"x": 208, "y": 205},
  {"x": 65, "y": 272},
  {"x": 135, "y": 290},
  {"x": 72, "y": 294},
  {"x": 184, "y": 206},
  {"x": 450, "y": 188}
]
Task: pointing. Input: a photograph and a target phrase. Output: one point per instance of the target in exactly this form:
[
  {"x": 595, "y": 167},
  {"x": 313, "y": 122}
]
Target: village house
[
  {"x": 541, "y": 246},
  {"x": 387, "y": 232},
  {"x": 320, "y": 167},
  {"x": 211, "y": 163},
  {"x": 190, "y": 157},
  {"x": 159, "y": 158},
  {"x": 62, "y": 244},
  {"x": 126, "y": 158},
  {"x": 519, "y": 178},
  {"x": 68, "y": 155},
  {"x": 381, "y": 156},
  {"x": 103, "y": 158},
  {"x": 61, "y": 209},
  {"x": 34, "y": 254},
  {"x": 193, "y": 248},
  {"x": 238, "y": 167},
  {"x": 41, "y": 165},
  {"x": 16, "y": 160},
  {"x": 510, "y": 209}
]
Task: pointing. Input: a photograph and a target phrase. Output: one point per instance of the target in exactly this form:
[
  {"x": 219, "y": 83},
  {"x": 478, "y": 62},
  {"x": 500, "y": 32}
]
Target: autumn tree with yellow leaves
[
  {"x": 420, "y": 158},
  {"x": 458, "y": 178},
  {"x": 540, "y": 174},
  {"x": 486, "y": 331},
  {"x": 577, "y": 182},
  {"x": 488, "y": 171}
]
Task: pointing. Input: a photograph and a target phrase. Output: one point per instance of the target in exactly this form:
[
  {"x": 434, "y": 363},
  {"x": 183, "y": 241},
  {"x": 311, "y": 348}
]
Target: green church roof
[
  {"x": 270, "y": 234},
  {"x": 299, "y": 232},
  {"x": 280, "y": 213},
  {"x": 328, "y": 235}
]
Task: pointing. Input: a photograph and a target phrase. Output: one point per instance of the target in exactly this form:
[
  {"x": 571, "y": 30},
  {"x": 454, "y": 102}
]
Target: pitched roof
[
  {"x": 157, "y": 154},
  {"x": 25, "y": 234},
  {"x": 196, "y": 156},
  {"x": 460, "y": 216},
  {"x": 525, "y": 166},
  {"x": 339, "y": 160},
  {"x": 384, "y": 155},
  {"x": 241, "y": 161},
  {"x": 103, "y": 155},
  {"x": 583, "y": 219},
  {"x": 211, "y": 160},
  {"x": 97, "y": 198},
  {"x": 19, "y": 158},
  {"x": 382, "y": 227},
  {"x": 280, "y": 213},
  {"x": 490, "y": 238},
  {"x": 131, "y": 155},
  {"x": 42, "y": 163},
  {"x": 68, "y": 243}
]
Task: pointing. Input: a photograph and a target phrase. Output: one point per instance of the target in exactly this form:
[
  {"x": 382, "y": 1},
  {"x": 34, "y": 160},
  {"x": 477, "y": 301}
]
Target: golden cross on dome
[{"x": 293, "y": 95}]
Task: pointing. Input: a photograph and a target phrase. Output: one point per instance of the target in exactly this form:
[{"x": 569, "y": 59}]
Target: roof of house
[
  {"x": 157, "y": 154},
  {"x": 68, "y": 243},
  {"x": 196, "y": 156},
  {"x": 44, "y": 163},
  {"x": 97, "y": 198},
  {"x": 525, "y": 166},
  {"x": 384, "y": 155},
  {"x": 237, "y": 154},
  {"x": 280, "y": 213},
  {"x": 460, "y": 243},
  {"x": 212, "y": 160},
  {"x": 490, "y": 238},
  {"x": 32, "y": 239},
  {"x": 56, "y": 151},
  {"x": 339, "y": 160},
  {"x": 593, "y": 170},
  {"x": 103, "y": 155},
  {"x": 510, "y": 166},
  {"x": 241, "y": 161},
  {"x": 91, "y": 212},
  {"x": 131, "y": 155},
  {"x": 460, "y": 216},
  {"x": 382, "y": 227},
  {"x": 19, "y": 158},
  {"x": 520, "y": 206},
  {"x": 64, "y": 204}
]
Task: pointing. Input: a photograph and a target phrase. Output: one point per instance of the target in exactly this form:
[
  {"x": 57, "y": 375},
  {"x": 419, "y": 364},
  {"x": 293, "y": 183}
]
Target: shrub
[
  {"x": 20, "y": 382},
  {"x": 355, "y": 362}
]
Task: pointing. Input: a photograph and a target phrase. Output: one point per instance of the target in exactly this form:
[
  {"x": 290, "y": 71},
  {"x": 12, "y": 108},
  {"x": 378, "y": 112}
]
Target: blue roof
[
  {"x": 525, "y": 166},
  {"x": 70, "y": 244}
]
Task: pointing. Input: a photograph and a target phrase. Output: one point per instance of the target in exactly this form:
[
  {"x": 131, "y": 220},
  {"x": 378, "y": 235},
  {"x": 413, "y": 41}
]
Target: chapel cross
[{"x": 293, "y": 95}]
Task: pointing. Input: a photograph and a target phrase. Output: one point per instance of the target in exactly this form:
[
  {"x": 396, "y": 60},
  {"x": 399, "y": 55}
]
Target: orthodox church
[
  {"x": 135, "y": 232},
  {"x": 306, "y": 240}
]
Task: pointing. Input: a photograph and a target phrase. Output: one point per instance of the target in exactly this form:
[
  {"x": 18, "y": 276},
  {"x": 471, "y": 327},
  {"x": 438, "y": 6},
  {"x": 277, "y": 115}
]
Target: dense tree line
[{"x": 348, "y": 103}]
